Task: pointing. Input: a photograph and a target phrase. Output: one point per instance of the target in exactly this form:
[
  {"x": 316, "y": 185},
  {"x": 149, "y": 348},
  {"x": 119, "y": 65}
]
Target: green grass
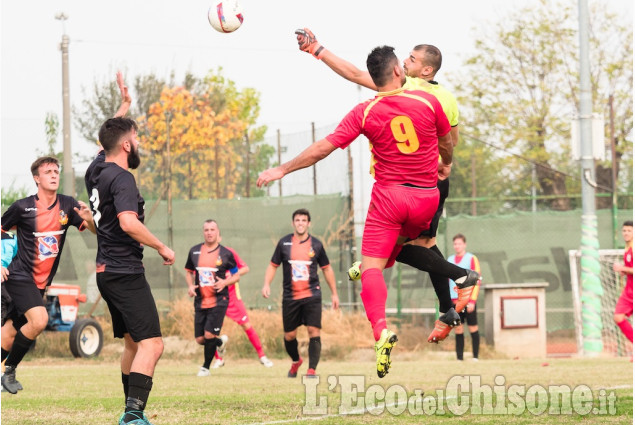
[{"x": 243, "y": 392}]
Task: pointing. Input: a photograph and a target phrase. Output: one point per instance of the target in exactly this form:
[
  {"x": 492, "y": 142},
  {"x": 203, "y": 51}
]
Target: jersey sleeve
[
  {"x": 125, "y": 194},
  {"x": 442, "y": 123},
  {"x": 189, "y": 264},
  {"x": 348, "y": 129},
  {"x": 276, "y": 258},
  {"x": 476, "y": 266},
  {"x": 9, "y": 248},
  {"x": 11, "y": 217},
  {"x": 75, "y": 219},
  {"x": 322, "y": 258}
]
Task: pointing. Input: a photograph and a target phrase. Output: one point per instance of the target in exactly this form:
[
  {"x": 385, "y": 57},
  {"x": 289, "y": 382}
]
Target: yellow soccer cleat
[
  {"x": 383, "y": 347},
  {"x": 354, "y": 273}
]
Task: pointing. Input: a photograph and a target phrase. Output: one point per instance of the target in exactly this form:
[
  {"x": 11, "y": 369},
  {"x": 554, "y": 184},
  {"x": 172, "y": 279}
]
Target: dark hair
[
  {"x": 111, "y": 131},
  {"x": 459, "y": 236},
  {"x": 431, "y": 56},
  {"x": 628, "y": 223},
  {"x": 380, "y": 63},
  {"x": 41, "y": 161},
  {"x": 301, "y": 211}
]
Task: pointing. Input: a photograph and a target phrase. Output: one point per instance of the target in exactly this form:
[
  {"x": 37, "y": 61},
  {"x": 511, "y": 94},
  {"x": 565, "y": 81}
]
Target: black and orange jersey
[
  {"x": 300, "y": 260},
  {"x": 113, "y": 191},
  {"x": 41, "y": 232},
  {"x": 209, "y": 264}
]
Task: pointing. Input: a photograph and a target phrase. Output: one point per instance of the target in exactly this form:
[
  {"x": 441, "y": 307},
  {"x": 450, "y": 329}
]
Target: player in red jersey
[
  {"x": 624, "y": 307},
  {"x": 407, "y": 131},
  {"x": 207, "y": 270},
  {"x": 41, "y": 222},
  {"x": 300, "y": 254},
  {"x": 237, "y": 311}
]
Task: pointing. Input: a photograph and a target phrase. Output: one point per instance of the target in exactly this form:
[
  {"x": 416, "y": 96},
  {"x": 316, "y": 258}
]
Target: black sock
[
  {"x": 460, "y": 344},
  {"x": 427, "y": 260},
  {"x": 5, "y": 353},
  {"x": 125, "y": 380},
  {"x": 139, "y": 390},
  {"x": 21, "y": 346},
  {"x": 315, "y": 348},
  {"x": 476, "y": 341},
  {"x": 210, "y": 350},
  {"x": 292, "y": 349},
  {"x": 441, "y": 286}
]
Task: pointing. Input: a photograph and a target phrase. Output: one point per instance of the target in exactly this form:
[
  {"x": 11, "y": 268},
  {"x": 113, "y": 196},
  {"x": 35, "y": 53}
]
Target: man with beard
[{"x": 118, "y": 212}]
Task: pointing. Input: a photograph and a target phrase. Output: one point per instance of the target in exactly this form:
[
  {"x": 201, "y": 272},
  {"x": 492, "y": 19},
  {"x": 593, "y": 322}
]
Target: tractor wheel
[{"x": 86, "y": 338}]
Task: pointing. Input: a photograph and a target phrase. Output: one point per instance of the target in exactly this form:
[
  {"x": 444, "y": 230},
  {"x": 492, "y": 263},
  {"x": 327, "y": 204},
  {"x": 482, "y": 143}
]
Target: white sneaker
[
  {"x": 203, "y": 371},
  {"x": 223, "y": 346},
  {"x": 218, "y": 363},
  {"x": 266, "y": 362}
]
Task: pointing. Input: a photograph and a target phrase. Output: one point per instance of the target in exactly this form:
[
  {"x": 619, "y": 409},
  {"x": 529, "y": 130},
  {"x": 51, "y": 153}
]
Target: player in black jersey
[
  {"x": 41, "y": 222},
  {"x": 118, "y": 211},
  {"x": 300, "y": 255}
]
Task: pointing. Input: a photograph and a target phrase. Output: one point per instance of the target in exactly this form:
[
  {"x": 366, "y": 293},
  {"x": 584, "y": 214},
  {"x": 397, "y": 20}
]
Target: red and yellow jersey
[
  {"x": 403, "y": 128},
  {"x": 41, "y": 232}
]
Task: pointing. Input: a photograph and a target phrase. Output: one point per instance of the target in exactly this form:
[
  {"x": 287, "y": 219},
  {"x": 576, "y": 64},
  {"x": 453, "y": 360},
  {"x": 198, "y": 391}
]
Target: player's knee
[
  {"x": 200, "y": 340},
  {"x": 619, "y": 318}
]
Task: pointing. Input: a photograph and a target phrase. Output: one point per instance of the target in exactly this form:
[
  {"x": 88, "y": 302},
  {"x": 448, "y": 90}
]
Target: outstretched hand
[
  {"x": 126, "y": 100},
  {"x": 268, "y": 176},
  {"x": 307, "y": 42}
]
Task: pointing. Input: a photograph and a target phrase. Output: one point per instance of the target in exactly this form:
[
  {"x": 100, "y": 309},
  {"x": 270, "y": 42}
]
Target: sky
[{"x": 168, "y": 36}]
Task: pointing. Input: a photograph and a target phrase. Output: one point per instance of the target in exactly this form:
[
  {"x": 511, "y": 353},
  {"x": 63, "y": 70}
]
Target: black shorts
[
  {"x": 444, "y": 191},
  {"x": 471, "y": 317},
  {"x": 306, "y": 311},
  {"x": 24, "y": 296},
  {"x": 209, "y": 319},
  {"x": 131, "y": 305}
]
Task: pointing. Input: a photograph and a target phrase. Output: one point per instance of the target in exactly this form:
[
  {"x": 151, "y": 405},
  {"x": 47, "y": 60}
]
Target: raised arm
[
  {"x": 314, "y": 153},
  {"x": 126, "y": 100},
  {"x": 307, "y": 42}
]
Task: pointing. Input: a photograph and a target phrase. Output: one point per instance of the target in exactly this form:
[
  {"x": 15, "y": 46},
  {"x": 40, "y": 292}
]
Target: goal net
[{"x": 615, "y": 343}]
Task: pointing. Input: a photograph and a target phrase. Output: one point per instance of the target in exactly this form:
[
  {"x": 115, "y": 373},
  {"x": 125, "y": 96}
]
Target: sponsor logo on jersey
[
  {"x": 206, "y": 275},
  {"x": 30, "y": 209},
  {"x": 63, "y": 218},
  {"x": 299, "y": 270},
  {"x": 48, "y": 247},
  {"x": 311, "y": 253}
]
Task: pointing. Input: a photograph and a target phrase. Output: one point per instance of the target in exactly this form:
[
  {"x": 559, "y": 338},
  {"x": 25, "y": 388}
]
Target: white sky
[{"x": 162, "y": 36}]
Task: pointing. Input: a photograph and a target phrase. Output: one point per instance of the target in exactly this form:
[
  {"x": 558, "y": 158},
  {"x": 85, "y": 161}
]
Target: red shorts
[
  {"x": 237, "y": 311},
  {"x": 396, "y": 211},
  {"x": 624, "y": 305}
]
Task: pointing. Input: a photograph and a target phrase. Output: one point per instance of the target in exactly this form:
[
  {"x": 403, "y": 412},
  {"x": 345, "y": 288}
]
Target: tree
[
  {"x": 211, "y": 123},
  {"x": 520, "y": 90}
]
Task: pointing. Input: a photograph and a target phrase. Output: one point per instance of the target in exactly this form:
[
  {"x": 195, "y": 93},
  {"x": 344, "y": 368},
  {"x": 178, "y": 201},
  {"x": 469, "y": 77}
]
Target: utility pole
[
  {"x": 279, "y": 163},
  {"x": 592, "y": 291},
  {"x": 168, "y": 119},
  {"x": 67, "y": 163},
  {"x": 314, "y": 168},
  {"x": 248, "y": 182},
  {"x": 613, "y": 170}
]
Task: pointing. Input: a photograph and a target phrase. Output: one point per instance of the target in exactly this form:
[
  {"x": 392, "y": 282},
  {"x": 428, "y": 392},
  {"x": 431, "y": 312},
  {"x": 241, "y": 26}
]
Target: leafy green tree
[{"x": 519, "y": 93}]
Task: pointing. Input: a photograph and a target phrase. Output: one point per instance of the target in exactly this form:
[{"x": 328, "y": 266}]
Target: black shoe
[
  {"x": 9, "y": 382},
  {"x": 464, "y": 290},
  {"x": 451, "y": 318}
]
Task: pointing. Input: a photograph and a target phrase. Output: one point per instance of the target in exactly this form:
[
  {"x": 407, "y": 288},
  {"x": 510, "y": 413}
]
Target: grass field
[{"x": 69, "y": 391}]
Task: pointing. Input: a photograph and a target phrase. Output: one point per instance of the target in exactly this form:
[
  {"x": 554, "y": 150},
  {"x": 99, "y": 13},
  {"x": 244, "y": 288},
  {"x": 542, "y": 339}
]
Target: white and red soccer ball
[{"x": 225, "y": 15}]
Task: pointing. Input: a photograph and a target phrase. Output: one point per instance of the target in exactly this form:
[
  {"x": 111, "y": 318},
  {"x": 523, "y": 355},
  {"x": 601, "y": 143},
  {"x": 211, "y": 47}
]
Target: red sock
[
  {"x": 217, "y": 356},
  {"x": 255, "y": 341},
  {"x": 374, "y": 295},
  {"x": 627, "y": 329}
]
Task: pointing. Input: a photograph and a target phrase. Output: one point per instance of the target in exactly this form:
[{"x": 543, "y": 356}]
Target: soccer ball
[
  {"x": 225, "y": 15},
  {"x": 354, "y": 273}
]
